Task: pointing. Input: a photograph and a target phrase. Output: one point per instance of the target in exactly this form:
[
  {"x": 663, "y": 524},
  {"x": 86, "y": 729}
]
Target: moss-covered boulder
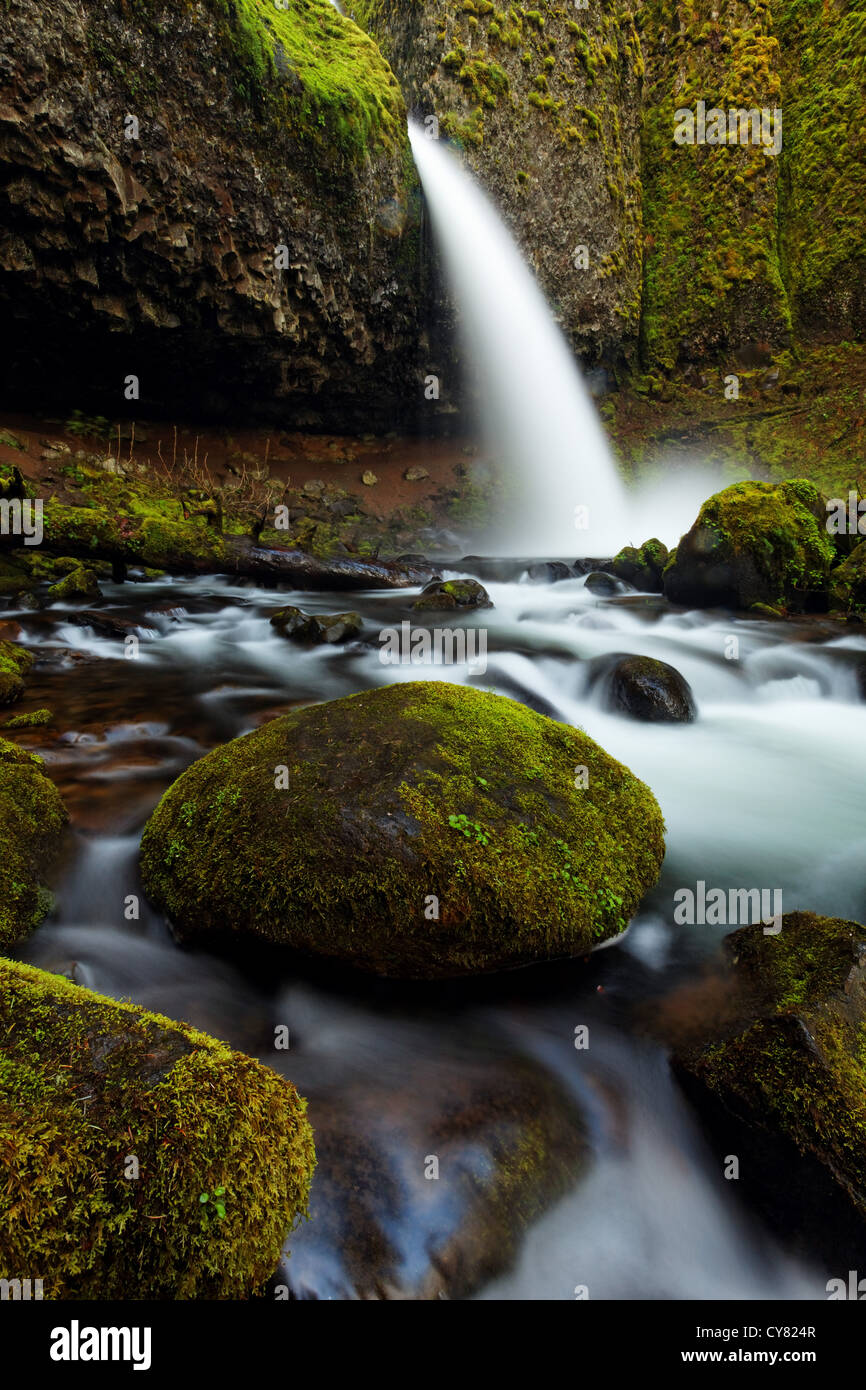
[
  {"x": 780, "y": 1044},
  {"x": 444, "y": 595},
  {"x": 79, "y": 583},
  {"x": 642, "y": 565},
  {"x": 32, "y": 817},
  {"x": 755, "y": 543},
  {"x": 139, "y": 1158},
  {"x": 848, "y": 583},
  {"x": 419, "y": 830},
  {"x": 317, "y": 628},
  {"x": 15, "y": 662}
]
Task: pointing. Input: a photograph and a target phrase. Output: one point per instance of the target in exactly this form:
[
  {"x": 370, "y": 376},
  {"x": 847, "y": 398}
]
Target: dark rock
[
  {"x": 605, "y": 585},
  {"x": 646, "y": 689},
  {"x": 445, "y": 594},
  {"x": 550, "y": 572}
]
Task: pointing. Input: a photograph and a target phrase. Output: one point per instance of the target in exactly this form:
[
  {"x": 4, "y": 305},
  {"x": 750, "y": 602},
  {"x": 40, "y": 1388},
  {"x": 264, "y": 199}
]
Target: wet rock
[
  {"x": 549, "y": 572},
  {"x": 644, "y": 688},
  {"x": 105, "y": 622},
  {"x": 445, "y": 594},
  {"x": 32, "y": 818},
  {"x": 314, "y": 628},
  {"x": 642, "y": 567},
  {"x": 507, "y": 1142},
  {"x": 15, "y": 662},
  {"x": 773, "y": 1042},
  {"x": 368, "y": 478},
  {"x": 602, "y": 584},
  {"x": 224, "y": 1150},
  {"x": 431, "y": 830},
  {"x": 416, "y": 474},
  {"x": 755, "y": 543},
  {"x": 79, "y": 583}
]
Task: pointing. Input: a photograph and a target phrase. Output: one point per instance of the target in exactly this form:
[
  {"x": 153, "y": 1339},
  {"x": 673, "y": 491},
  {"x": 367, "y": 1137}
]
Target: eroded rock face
[
  {"x": 158, "y": 256},
  {"x": 546, "y": 104}
]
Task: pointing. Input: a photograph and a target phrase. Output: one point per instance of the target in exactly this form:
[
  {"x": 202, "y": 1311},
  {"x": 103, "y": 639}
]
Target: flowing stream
[{"x": 764, "y": 788}]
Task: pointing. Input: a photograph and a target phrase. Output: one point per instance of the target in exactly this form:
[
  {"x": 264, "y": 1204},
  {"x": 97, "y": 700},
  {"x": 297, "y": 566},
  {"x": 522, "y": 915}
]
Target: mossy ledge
[
  {"x": 399, "y": 804},
  {"x": 87, "y": 1085},
  {"x": 32, "y": 818}
]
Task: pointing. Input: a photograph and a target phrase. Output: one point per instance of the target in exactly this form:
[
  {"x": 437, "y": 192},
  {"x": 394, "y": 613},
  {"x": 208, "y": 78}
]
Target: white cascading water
[{"x": 565, "y": 494}]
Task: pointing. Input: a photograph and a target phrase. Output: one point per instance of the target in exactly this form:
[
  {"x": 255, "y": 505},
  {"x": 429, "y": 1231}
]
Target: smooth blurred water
[{"x": 764, "y": 789}]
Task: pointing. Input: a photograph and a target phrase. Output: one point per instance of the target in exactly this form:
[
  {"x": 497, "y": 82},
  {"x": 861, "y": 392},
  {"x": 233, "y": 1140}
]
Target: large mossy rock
[
  {"x": 403, "y": 803},
  {"x": 780, "y": 1045},
  {"x": 755, "y": 543},
  {"x": 113, "y": 1124},
  {"x": 235, "y": 242},
  {"x": 642, "y": 565},
  {"x": 32, "y": 818}
]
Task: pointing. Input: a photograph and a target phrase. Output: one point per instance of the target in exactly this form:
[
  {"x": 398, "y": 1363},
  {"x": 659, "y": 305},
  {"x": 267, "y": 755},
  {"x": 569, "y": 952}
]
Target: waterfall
[{"x": 565, "y": 496}]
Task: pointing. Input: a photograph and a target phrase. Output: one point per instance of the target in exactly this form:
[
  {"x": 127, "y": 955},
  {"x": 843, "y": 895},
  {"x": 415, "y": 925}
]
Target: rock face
[
  {"x": 546, "y": 104},
  {"x": 32, "y": 817},
  {"x": 781, "y": 1044},
  {"x": 507, "y": 1141},
  {"x": 755, "y": 543},
  {"x": 848, "y": 584},
  {"x": 224, "y": 1151},
  {"x": 258, "y": 128},
  {"x": 644, "y": 688},
  {"x": 419, "y": 830}
]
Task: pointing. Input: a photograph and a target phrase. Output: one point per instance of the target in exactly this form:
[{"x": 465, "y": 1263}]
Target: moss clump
[
  {"x": 15, "y": 662},
  {"x": 32, "y": 817},
  {"x": 848, "y": 585},
  {"x": 80, "y": 582},
  {"x": 425, "y": 830},
  {"x": 34, "y": 720},
  {"x": 642, "y": 566},
  {"x": 308, "y": 68},
  {"x": 755, "y": 543},
  {"x": 86, "y": 1084},
  {"x": 788, "y": 1051}
]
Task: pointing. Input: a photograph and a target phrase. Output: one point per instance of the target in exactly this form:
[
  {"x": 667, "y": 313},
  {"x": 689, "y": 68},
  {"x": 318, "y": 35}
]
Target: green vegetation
[
  {"x": 396, "y": 794},
  {"x": 32, "y": 818},
  {"x": 116, "y": 1123}
]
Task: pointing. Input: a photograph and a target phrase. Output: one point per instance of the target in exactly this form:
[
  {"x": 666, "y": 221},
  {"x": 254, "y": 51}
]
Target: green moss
[
  {"x": 32, "y": 817},
  {"x": 85, "y": 1083},
  {"x": 34, "y": 720},
  {"x": 848, "y": 585},
  {"x": 15, "y": 662},
  {"x": 79, "y": 583},
  {"x": 755, "y": 543},
  {"x": 341, "y": 863},
  {"x": 792, "y": 1058}
]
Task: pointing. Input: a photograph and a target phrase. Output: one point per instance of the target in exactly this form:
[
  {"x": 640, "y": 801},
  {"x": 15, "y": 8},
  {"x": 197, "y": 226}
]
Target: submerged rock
[
  {"x": 140, "y": 1158},
  {"x": 777, "y": 1040},
  {"x": 445, "y": 594},
  {"x": 755, "y": 543},
  {"x": 419, "y": 830},
  {"x": 32, "y": 818},
  {"x": 317, "y": 628},
  {"x": 506, "y": 1141},
  {"x": 644, "y": 688}
]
